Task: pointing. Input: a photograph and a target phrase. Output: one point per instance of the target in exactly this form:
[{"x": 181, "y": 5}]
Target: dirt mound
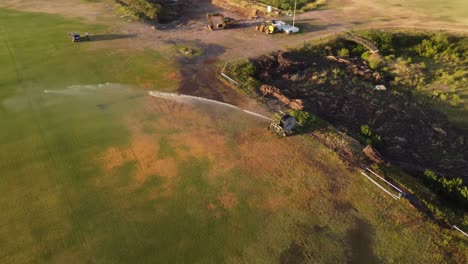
[
  {"x": 342, "y": 92},
  {"x": 271, "y": 90},
  {"x": 373, "y": 154}
]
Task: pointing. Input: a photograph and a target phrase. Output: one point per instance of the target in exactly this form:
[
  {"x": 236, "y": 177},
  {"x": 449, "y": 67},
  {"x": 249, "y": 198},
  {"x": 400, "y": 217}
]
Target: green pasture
[
  {"x": 452, "y": 10},
  {"x": 61, "y": 109}
]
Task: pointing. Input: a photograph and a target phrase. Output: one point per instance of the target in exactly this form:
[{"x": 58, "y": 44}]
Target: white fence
[
  {"x": 231, "y": 80},
  {"x": 459, "y": 230},
  {"x": 394, "y": 196}
]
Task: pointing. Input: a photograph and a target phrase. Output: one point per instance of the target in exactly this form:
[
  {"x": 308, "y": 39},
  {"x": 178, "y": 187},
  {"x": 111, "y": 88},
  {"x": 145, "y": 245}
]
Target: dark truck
[{"x": 75, "y": 37}]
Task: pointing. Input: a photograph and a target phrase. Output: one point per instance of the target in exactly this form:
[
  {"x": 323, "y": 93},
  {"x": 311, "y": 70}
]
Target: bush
[
  {"x": 142, "y": 8},
  {"x": 409, "y": 74},
  {"x": 343, "y": 53},
  {"x": 383, "y": 40},
  {"x": 246, "y": 70},
  {"x": 374, "y": 60},
  {"x": 307, "y": 120},
  {"x": 451, "y": 189},
  {"x": 287, "y": 4},
  {"x": 244, "y": 73},
  {"x": 439, "y": 47},
  {"x": 370, "y": 138}
]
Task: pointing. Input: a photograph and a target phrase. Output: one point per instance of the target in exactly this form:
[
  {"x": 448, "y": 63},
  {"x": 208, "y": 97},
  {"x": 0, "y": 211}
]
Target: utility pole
[{"x": 294, "y": 15}]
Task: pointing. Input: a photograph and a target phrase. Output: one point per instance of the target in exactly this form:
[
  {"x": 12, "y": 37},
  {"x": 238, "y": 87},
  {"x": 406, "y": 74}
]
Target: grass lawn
[
  {"x": 95, "y": 171},
  {"x": 444, "y": 9}
]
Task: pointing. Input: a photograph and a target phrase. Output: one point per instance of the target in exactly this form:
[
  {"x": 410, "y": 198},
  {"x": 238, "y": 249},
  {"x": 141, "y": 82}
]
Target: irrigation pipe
[
  {"x": 396, "y": 197},
  {"x": 380, "y": 177},
  {"x": 461, "y": 231}
]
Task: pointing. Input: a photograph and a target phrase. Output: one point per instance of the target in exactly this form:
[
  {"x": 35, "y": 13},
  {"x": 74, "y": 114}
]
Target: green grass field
[
  {"x": 448, "y": 9},
  {"x": 103, "y": 173}
]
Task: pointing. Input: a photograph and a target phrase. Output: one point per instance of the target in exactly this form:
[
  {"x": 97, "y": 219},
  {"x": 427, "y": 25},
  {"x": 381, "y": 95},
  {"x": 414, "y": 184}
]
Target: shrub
[
  {"x": 244, "y": 73},
  {"x": 306, "y": 119},
  {"x": 370, "y": 138},
  {"x": 142, "y": 8},
  {"x": 452, "y": 189},
  {"x": 374, "y": 60},
  {"x": 287, "y": 4},
  {"x": 409, "y": 74},
  {"x": 439, "y": 47},
  {"x": 456, "y": 100},
  {"x": 383, "y": 40},
  {"x": 247, "y": 70},
  {"x": 344, "y": 52}
]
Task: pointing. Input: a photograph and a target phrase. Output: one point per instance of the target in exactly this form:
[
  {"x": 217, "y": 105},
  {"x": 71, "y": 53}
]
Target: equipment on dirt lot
[
  {"x": 271, "y": 27},
  {"x": 267, "y": 27},
  {"x": 283, "y": 125},
  {"x": 225, "y": 21},
  {"x": 75, "y": 37}
]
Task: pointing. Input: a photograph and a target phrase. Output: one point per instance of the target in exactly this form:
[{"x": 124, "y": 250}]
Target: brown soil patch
[
  {"x": 276, "y": 202},
  {"x": 248, "y": 9},
  {"x": 114, "y": 158},
  {"x": 216, "y": 212},
  {"x": 173, "y": 76},
  {"x": 143, "y": 150},
  {"x": 228, "y": 200},
  {"x": 211, "y": 206}
]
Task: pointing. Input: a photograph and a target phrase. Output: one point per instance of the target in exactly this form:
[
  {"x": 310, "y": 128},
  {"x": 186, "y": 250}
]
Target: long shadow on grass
[
  {"x": 360, "y": 241},
  {"x": 105, "y": 37}
]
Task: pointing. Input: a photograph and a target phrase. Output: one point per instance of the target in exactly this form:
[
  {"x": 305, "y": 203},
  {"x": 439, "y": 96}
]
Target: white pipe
[
  {"x": 380, "y": 186},
  {"x": 229, "y": 79},
  {"x": 461, "y": 231},
  {"x": 394, "y": 187}
]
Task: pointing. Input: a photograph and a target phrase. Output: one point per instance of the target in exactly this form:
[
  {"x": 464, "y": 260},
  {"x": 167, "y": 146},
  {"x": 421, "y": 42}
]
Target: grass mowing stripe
[{"x": 36, "y": 117}]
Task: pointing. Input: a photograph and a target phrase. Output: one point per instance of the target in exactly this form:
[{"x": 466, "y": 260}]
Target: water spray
[{"x": 181, "y": 97}]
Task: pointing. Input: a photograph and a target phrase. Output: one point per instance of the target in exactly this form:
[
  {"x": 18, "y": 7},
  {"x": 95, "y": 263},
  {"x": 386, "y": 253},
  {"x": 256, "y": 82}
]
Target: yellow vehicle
[
  {"x": 225, "y": 21},
  {"x": 269, "y": 27}
]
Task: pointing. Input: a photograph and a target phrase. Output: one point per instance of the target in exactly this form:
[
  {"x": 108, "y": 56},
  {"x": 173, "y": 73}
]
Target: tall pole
[{"x": 294, "y": 15}]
